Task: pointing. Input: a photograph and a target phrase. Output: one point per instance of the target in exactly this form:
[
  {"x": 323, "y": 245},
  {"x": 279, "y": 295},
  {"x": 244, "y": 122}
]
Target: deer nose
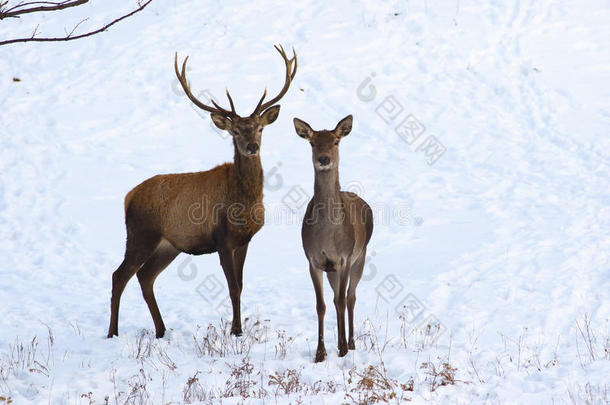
[
  {"x": 252, "y": 148},
  {"x": 324, "y": 160}
]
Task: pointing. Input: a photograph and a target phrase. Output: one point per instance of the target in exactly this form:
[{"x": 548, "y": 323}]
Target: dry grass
[
  {"x": 288, "y": 382},
  {"x": 193, "y": 391},
  {"x": 23, "y": 358},
  {"x": 243, "y": 382},
  {"x": 439, "y": 375},
  {"x": 589, "y": 345},
  {"x": 236, "y": 377},
  {"x": 372, "y": 385},
  {"x": 589, "y": 394},
  {"x": 147, "y": 349},
  {"x": 282, "y": 345},
  {"x": 218, "y": 341}
]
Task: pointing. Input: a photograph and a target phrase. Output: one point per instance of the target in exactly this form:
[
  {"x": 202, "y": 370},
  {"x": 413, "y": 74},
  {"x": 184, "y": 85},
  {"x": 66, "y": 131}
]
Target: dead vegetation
[
  {"x": 233, "y": 374},
  {"x": 589, "y": 394},
  {"x": 282, "y": 345},
  {"x": 439, "y": 375},
  {"x": 218, "y": 341},
  {"x": 589, "y": 345},
  {"x": 26, "y": 357},
  {"x": 372, "y": 385},
  {"x": 242, "y": 382},
  {"x": 193, "y": 391},
  {"x": 287, "y": 382},
  {"x": 147, "y": 349}
]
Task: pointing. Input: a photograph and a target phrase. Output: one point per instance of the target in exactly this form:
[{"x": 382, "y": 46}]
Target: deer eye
[
  {"x": 336, "y": 142},
  {"x": 311, "y": 143}
]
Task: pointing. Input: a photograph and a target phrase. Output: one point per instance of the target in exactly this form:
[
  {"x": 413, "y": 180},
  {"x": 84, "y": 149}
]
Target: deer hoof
[
  {"x": 342, "y": 350},
  {"x": 160, "y": 334},
  {"x": 320, "y": 355},
  {"x": 351, "y": 345},
  {"x": 236, "y": 331}
]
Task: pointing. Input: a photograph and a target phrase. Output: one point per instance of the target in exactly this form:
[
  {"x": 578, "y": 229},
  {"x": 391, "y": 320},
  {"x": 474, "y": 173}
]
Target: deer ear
[
  {"x": 270, "y": 115},
  {"x": 344, "y": 127},
  {"x": 221, "y": 121},
  {"x": 303, "y": 129}
]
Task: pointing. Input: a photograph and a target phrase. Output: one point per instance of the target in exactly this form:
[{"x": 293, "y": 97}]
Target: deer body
[
  {"x": 190, "y": 210},
  {"x": 336, "y": 230},
  {"x": 218, "y": 210}
]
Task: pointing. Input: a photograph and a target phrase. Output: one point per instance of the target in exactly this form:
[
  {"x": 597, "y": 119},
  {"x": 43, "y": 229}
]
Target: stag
[
  {"x": 336, "y": 230},
  {"x": 218, "y": 210}
]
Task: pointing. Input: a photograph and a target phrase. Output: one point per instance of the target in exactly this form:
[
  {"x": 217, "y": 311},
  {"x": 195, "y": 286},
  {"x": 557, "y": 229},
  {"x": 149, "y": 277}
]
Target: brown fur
[
  {"x": 175, "y": 205},
  {"x": 218, "y": 210}
]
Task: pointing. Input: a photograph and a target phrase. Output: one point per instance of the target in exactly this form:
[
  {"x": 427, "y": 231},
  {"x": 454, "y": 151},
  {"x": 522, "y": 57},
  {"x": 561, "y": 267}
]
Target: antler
[
  {"x": 289, "y": 76},
  {"x": 187, "y": 89}
]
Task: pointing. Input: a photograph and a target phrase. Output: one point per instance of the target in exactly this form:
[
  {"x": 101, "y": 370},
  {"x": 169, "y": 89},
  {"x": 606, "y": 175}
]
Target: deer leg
[
  {"x": 354, "y": 278},
  {"x": 318, "y": 285},
  {"x": 338, "y": 281},
  {"x": 137, "y": 252},
  {"x": 227, "y": 263},
  {"x": 147, "y": 275},
  {"x": 239, "y": 257}
]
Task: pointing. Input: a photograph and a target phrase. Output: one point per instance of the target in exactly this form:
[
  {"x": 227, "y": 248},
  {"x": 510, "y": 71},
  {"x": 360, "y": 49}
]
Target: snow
[{"x": 504, "y": 238}]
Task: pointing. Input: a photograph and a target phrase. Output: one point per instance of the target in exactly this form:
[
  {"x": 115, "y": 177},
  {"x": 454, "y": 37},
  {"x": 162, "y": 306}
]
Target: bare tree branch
[
  {"x": 19, "y": 9},
  {"x": 69, "y": 36}
]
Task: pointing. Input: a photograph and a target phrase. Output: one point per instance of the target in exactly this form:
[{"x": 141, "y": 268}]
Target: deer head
[
  {"x": 324, "y": 143},
  {"x": 246, "y": 131}
]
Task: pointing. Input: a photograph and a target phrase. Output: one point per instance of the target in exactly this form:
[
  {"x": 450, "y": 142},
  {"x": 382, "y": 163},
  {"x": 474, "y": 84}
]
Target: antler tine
[
  {"x": 230, "y": 101},
  {"x": 280, "y": 49},
  {"x": 258, "y": 106},
  {"x": 216, "y": 105},
  {"x": 181, "y": 75},
  {"x": 294, "y": 58},
  {"x": 290, "y": 73}
]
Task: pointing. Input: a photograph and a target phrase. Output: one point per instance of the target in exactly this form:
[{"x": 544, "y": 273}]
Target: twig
[
  {"x": 69, "y": 37},
  {"x": 16, "y": 12},
  {"x": 76, "y": 26}
]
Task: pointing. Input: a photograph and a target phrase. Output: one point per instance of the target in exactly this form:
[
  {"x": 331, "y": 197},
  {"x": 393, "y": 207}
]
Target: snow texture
[{"x": 481, "y": 139}]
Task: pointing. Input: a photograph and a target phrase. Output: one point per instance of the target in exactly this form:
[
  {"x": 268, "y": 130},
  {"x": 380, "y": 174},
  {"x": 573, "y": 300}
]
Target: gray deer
[{"x": 336, "y": 230}]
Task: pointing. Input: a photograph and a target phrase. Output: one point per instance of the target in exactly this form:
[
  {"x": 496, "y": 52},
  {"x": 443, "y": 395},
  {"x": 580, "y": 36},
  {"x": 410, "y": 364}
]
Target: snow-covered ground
[{"x": 502, "y": 241}]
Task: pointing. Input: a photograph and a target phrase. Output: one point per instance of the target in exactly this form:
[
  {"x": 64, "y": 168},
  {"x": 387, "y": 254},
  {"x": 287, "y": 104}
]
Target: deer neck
[
  {"x": 248, "y": 177},
  {"x": 326, "y": 186}
]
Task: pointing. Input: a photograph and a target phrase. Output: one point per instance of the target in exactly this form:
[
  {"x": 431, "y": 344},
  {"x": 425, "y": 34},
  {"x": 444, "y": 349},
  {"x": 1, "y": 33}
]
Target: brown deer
[
  {"x": 336, "y": 230},
  {"x": 218, "y": 210}
]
